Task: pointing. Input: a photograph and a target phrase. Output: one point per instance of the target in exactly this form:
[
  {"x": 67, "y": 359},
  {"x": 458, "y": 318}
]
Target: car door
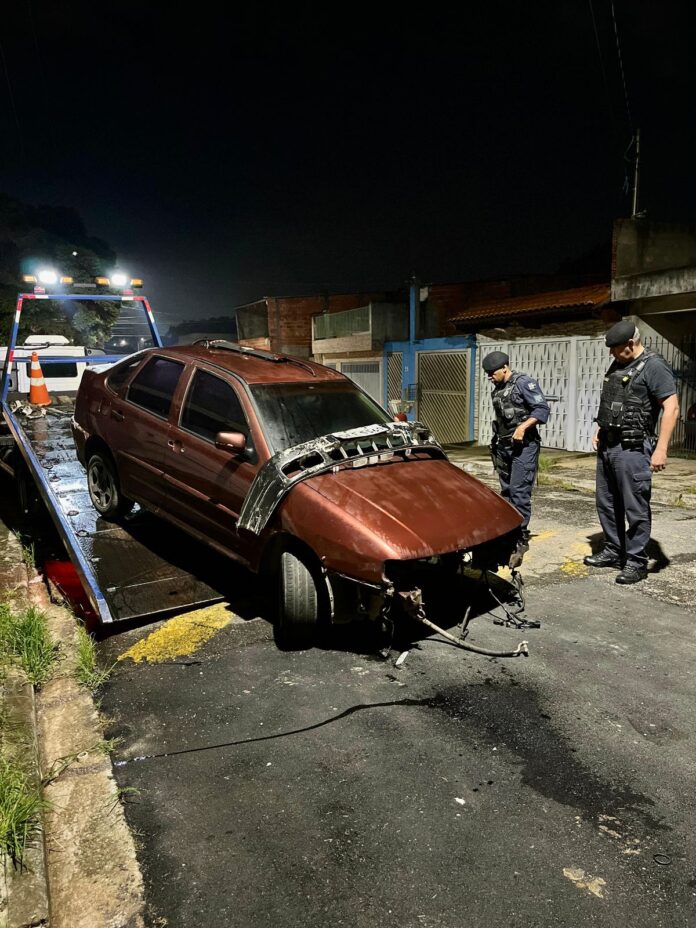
[
  {"x": 207, "y": 485},
  {"x": 139, "y": 429}
]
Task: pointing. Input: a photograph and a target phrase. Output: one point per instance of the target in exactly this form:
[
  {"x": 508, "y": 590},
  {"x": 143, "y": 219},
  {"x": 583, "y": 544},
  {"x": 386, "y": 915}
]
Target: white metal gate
[
  {"x": 570, "y": 372},
  {"x": 443, "y": 393},
  {"x": 367, "y": 374}
]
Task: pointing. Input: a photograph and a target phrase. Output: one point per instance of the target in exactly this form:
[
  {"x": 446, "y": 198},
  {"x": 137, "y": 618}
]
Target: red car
[{"x": 290, "y": 468}]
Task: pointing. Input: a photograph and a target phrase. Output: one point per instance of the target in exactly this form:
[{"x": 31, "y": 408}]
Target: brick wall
[{"x": 290, "y": 317}]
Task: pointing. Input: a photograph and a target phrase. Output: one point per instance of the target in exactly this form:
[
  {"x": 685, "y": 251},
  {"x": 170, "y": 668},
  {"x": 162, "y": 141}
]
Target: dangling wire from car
[
  {"x": 412, "y": 602},
  {"x": 514, "y": 616}
]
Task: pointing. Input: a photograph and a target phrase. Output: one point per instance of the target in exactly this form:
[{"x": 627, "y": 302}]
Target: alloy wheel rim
[{"x": 100, "y": 486}]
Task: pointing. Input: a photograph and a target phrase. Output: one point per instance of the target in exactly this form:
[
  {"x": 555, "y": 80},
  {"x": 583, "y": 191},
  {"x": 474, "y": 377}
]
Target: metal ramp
[{"x": 139, "y": 568}]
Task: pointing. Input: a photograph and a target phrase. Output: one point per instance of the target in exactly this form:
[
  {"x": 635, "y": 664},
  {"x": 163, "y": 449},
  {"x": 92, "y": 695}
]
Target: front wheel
[
  {"x": 104, "y": 488},
  {"x": 298, "y": 603}
]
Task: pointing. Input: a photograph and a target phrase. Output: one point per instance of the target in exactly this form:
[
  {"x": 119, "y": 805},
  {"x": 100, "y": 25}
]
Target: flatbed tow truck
[{"x": 128, "y": 571}]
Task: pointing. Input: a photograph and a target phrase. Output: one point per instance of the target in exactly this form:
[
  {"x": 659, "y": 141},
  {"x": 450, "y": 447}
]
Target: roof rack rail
[
  {"x": 241, "y": 349},
  {"x": 254, "y": 352}
]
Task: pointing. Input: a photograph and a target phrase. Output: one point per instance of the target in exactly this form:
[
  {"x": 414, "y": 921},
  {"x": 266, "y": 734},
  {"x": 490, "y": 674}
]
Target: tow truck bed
[{"x": 136, "y": 569}]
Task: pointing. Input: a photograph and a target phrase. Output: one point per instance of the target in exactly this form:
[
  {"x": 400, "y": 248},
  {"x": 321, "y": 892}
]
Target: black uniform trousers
[
  {"x": 516, "y": 464},
  {"x": 624, "y": 487}
]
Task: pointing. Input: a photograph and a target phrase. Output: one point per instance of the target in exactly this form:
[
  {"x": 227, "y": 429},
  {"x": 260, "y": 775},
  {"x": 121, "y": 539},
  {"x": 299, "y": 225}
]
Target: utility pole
[{"x": 634, "y": 211}]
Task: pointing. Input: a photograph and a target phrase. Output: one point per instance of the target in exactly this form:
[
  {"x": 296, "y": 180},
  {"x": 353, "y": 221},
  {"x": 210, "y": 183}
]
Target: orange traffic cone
[{"x": 38, "y": 392}]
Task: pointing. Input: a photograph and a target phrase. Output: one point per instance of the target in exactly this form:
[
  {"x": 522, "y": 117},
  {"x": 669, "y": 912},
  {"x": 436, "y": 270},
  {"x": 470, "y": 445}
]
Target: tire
[
  {"x": 104, "y": 488},
  {"x": 297, "y": 618}
]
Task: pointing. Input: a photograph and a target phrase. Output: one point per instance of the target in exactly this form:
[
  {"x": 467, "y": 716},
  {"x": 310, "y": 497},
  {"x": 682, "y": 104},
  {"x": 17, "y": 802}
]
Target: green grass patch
[
  {"x": 88, "y": 672},
  {"x": 28, "y": 552},
  {"x": 24, "y": 640},
  {"x": 546, "y": 463},
  {"x": 21, "y": 806},
  {"x": 690, "y": 490}
]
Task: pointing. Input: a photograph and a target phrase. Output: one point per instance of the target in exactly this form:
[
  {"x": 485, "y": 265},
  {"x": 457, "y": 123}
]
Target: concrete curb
[
  {"x": 26, "y": 890},
  {"x": 84, "y": 872},
  {"x": 575, "y": 481},
  {"x": 24, "y": 900},
  {"x": 93, "y": 876}
]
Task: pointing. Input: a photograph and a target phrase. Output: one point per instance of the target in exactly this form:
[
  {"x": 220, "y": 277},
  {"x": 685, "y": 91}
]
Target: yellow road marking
[
  {"x": 184, "y": 634},
  {"x": 544, "y": 536}
]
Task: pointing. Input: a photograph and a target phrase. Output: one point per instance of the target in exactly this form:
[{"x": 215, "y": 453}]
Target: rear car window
[
  {"x": 153, "y": 388},
  {"x": 295, "y": 413},
  {"x": 120, "y": 374},
  {"x": 212, "y": 406},
  {"x": 61, "y": 369}
]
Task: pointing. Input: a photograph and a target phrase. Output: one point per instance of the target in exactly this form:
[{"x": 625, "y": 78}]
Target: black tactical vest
[
  {"x": 620, "y": 409},
  {"x": 508, "y": 415}
]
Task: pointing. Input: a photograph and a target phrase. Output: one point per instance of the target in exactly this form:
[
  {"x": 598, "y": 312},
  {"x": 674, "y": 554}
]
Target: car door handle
[
  {"x": 175, "y": 445},
  {"x": 118, "y": 416}
]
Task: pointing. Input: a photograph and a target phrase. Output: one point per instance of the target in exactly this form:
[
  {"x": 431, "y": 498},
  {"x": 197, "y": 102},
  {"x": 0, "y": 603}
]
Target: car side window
[
  {"x": 153, "y": 388},
  {"x": 212, "y": 406},
  {"x": 121, "y": 373}
]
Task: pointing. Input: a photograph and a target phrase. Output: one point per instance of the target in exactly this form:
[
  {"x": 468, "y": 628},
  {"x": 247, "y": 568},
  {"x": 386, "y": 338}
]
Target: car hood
[{"x": 418, "y": 507}]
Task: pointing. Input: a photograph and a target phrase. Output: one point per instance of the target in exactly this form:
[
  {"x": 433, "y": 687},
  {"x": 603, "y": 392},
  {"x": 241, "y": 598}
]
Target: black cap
[
  {"x": 494, "y": 361},
  {"x": 620, "y": 333}
]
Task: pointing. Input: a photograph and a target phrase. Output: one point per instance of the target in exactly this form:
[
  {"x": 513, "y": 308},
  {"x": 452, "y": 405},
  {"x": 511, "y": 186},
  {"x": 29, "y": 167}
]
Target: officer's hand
[
  {"x": 518, "y": 434},
  {"x": 659, "y": 460},
  {"x": 595, "y": 440}
]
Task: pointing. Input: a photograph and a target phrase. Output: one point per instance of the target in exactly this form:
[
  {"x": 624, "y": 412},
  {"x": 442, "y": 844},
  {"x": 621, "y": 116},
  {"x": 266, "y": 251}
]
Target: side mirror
[{"x": 231, "y": 441}]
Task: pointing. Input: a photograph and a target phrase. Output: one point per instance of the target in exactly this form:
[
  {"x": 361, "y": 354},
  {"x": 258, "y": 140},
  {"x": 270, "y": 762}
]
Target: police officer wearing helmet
[
  {"x": 519, "y": 407},
  {"x": 638, "y": 385}
]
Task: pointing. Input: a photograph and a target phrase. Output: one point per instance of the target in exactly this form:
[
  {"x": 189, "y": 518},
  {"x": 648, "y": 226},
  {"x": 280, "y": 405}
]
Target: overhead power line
[
  {"x": 603, "y": 68},
  {"x": 621, "y": 67}
]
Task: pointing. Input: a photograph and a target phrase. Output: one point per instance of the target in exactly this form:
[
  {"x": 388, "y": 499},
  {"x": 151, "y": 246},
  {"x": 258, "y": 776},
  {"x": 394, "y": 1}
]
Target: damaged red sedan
[{"x": 290, "y": 468}]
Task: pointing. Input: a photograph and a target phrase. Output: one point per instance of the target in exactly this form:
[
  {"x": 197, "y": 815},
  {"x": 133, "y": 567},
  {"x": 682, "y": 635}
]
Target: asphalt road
[{"x": 331, "y": 787}]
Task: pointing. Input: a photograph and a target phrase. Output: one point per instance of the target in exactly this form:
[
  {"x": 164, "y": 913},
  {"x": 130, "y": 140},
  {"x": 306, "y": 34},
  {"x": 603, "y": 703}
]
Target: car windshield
[{"x": 295, "y": 413}]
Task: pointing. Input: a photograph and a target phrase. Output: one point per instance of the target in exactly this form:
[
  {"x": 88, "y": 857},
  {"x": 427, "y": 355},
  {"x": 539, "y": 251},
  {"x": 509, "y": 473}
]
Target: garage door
[
  {"x": 367, "y": 374},
  {"x": 443, "y": 394}
]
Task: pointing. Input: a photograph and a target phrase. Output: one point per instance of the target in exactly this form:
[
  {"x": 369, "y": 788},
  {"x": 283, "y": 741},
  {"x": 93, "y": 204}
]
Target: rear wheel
[
  {"x": 104, "y": 488},
  {"x": 298, "y": 603}
]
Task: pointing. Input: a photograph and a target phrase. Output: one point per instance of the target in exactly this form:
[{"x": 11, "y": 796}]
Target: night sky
[{"x": 227, "y": 156}]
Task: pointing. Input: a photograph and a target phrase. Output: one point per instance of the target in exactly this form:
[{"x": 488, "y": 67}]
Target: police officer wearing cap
[
  {"x": 638, "y": 385},
  {"x": 519, "y": 407}
]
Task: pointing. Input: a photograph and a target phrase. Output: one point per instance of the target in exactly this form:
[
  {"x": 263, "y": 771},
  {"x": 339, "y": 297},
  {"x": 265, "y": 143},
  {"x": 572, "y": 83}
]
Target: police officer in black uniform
[
  {"x": 519, "y": 407},
  {"x": 638, "y": 384}
]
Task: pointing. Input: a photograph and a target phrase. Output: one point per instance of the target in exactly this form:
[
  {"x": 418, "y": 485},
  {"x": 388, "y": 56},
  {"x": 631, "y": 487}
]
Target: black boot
[
  {"x": 603, "y": 558},
  {"x": 632, "y": 573}
]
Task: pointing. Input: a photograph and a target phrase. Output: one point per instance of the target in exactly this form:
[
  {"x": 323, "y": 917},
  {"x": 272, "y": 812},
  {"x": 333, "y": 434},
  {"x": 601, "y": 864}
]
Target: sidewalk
[
  {"x": 81, "y": 872},
  {"x": 575, "y": 472}
]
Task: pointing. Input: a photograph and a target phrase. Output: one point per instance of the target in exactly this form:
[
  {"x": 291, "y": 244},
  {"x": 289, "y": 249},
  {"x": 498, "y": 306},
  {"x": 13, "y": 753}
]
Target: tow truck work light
[{"x": 47, "y": 277}]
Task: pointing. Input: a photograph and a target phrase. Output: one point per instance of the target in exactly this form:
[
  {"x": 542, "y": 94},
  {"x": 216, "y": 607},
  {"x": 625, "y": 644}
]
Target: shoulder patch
[{"x": 531, "y": 385}]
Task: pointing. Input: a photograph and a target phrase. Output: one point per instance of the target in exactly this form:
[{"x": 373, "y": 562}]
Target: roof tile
[{"x": 595, "y": 295}]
